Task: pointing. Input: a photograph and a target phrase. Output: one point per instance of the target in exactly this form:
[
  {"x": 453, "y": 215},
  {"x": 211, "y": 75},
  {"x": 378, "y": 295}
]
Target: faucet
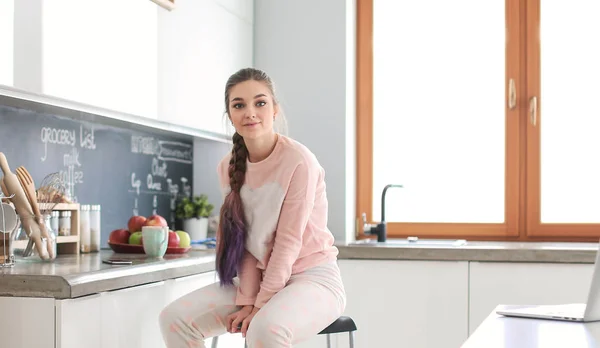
[{"x": 379, "y": 229}]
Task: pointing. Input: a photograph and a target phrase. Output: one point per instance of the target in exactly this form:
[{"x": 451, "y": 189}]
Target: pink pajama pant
[{"x": 311, "y": 301}]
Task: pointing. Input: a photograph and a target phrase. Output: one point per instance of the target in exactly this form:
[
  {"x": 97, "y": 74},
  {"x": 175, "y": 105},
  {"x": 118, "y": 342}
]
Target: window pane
[
  {"x": 102, "y": 53},
  {"x": 570, "y": 116},
  {"x": 439, "y": 110},
  {"x": 7, "y": 14}
]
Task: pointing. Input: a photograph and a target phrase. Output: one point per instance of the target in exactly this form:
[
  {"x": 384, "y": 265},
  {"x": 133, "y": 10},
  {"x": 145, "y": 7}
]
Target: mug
[{"x": 155, "y": 240}]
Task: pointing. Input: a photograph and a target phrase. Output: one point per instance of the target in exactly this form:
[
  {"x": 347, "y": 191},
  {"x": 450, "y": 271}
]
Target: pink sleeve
[
  {"x": 249, "y": 281},
  {"x": 295, "y": 212}
]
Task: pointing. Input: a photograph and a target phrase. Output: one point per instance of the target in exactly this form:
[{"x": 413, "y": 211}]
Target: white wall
[
  {"x": 200, "y": 44},
  {"x": 308, "y": 48},
  {"x": 207, "y": 155}
]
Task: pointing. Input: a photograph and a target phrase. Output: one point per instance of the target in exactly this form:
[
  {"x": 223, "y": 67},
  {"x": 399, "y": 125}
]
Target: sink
[{"x": 412, "y": 242}]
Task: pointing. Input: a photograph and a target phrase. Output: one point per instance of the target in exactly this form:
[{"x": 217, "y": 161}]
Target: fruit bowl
[{"x": 138, "y": 249}]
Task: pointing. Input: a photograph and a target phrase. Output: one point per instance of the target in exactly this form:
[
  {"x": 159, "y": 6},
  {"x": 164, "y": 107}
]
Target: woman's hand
[
  {"x": 246, "y": 321},
  {"x": 234, "y": 320}
]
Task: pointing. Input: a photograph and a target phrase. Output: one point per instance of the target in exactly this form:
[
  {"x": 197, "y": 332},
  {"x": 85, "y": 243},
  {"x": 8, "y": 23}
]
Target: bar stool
[{"x": 342, "y": 324}]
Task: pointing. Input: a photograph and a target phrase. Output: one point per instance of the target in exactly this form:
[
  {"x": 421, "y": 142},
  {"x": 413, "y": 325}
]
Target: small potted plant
[{"x": 194, "y": 213}]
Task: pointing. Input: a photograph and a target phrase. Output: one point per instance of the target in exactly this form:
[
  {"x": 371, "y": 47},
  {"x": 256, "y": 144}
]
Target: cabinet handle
[
  {"x": 533, "y": 111},
  {"x": 512, "y": 94}
]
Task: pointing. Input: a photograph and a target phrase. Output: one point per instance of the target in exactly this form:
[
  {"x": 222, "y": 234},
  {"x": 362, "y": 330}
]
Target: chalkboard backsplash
[{"x": 128, "y": 172}]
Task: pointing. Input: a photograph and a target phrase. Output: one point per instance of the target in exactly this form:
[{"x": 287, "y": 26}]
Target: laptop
[{"x": 579, "y": 312}]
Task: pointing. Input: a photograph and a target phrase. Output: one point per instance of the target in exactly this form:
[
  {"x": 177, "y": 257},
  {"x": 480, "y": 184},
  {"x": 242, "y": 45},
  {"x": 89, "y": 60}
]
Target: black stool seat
[{"x": 342, "y": 324}]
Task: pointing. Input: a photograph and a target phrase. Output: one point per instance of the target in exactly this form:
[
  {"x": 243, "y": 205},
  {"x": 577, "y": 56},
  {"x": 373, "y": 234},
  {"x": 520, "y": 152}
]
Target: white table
[{"x": 503, "y": 332}]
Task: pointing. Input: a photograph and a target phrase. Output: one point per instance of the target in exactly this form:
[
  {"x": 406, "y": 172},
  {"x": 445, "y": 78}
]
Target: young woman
[{"x": 277, "y": 266}]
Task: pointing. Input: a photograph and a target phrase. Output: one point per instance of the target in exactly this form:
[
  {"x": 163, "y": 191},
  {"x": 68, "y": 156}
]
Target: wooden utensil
[
  {"x": 22, "y": 206},
  {"x": 29, "y": 187}
]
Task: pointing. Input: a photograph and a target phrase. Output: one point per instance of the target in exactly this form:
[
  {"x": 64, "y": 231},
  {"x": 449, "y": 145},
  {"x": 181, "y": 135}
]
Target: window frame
[{"x": 522, "y": 167}]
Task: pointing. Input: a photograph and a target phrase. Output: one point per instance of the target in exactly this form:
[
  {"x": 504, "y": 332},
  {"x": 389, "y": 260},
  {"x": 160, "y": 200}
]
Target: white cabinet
[
  {"x": 78, "y": 322},
  {"x": 200, "y": 44},
  {"x": 406, "y": 303},
  {"x": 492, "y": 284},
  {"x": 130, "y": 316},
  {"x": 26, "y": 322},
  {"x": 104, "y": 54},
  {"x": 6, "y": 42},
  {"x": 89, "y": 52},
  {"x": 184, "y": 285}
]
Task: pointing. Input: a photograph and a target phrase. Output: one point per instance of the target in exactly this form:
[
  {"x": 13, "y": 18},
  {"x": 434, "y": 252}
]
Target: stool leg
[
  {"x": 351, "y": 336},
  {"x": 215, "y": 342},
  {"x": 328, "y": 341}
]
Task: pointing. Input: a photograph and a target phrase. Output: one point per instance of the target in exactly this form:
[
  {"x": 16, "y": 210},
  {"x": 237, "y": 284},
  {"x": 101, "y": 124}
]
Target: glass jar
[
  {"x": 9, "y": 224},
  {"x": 95, "y": 228},
  {"x": 64, "y": 223},
  {"x": 54, "y": 217},
  {"x": 21, "y": 241},
  {"x": 84, "y": 228}
]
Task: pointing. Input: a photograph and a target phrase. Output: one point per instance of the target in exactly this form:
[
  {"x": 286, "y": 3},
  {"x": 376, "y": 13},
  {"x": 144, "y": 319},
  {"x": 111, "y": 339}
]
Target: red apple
[
  {"x": 173, "y": 239},
  {"x": 119, "y": 236},
  {"x": 156, "y": 220},
  {"x": 135, "y": 223}
]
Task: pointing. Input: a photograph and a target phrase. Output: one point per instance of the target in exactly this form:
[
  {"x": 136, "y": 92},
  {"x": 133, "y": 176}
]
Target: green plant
[{"x": 196, "y": 207}]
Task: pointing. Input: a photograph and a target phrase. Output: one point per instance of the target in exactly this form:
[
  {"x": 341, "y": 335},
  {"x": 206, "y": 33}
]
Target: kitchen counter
[
  {"x": 503, "y": 332},
  {"x": 474, "y": 251},
  {"x": 71, "y": 276}
]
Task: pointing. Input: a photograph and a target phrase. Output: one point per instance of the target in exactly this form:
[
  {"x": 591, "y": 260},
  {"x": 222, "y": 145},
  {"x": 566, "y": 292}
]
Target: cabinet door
[
  {"x": 78, "y": 322},
  {"x": 184, "y": 285},
  {"x": 492, "y": 284},
  {"x": 26, "y": 322},
  {"x": 130, "y": 316},
  {"x": 192, "y": 72},
  {"x": 406, "y": 303},
  {"x": 7, "y": 33},
  {"x": 100, "y": 57}
]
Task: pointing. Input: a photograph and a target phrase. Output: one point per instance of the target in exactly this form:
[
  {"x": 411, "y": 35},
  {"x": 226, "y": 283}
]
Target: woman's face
[{"x": 252, "y": 109}]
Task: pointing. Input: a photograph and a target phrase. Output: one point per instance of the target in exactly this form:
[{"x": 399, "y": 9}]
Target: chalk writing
[
  {"x": 154, "y": 205},
  {"x": 175, "y": 151},
  {"x": 174, "y": 190},
  {"x": 56, "y": 136},
  {"x": 187, "y": 188},
  {"x": 143, "y": 145},
  {"x": 151, "y": 185},
  {"x": 86, "y": 138},
  {"x": 159, "y": 169},
  {"x": 136, "y": 184},
  {"x": 135, "y": 207}
]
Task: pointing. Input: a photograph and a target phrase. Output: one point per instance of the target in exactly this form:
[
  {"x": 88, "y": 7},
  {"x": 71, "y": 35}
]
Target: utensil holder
[
  {"x": 20, "y": 241},
  {"x": 9, "y": 223}
]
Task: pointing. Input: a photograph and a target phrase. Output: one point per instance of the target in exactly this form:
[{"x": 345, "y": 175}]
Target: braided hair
[{"x": 232, "y": 231}]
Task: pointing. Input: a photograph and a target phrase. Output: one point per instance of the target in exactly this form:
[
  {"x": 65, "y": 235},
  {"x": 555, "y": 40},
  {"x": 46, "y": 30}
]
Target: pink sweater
[{"x": 285, "y": 205}]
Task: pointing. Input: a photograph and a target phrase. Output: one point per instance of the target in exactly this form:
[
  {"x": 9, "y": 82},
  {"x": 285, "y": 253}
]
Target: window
[
  {"x": 7, "y": 15},
  {"x": 449, "y": 105}
]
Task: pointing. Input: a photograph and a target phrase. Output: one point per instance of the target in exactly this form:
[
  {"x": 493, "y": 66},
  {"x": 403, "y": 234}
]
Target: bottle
[
  {"x": 95, "y": 228},
  {"x": 54, "y": 217},
  {"x": 64, "y": 223},
  {"x": 84, "y": 228}
]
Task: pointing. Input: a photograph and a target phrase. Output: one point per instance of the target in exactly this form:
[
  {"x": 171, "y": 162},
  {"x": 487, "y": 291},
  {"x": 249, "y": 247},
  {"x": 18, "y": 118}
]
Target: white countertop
[{"x": 502, "y": 332}]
